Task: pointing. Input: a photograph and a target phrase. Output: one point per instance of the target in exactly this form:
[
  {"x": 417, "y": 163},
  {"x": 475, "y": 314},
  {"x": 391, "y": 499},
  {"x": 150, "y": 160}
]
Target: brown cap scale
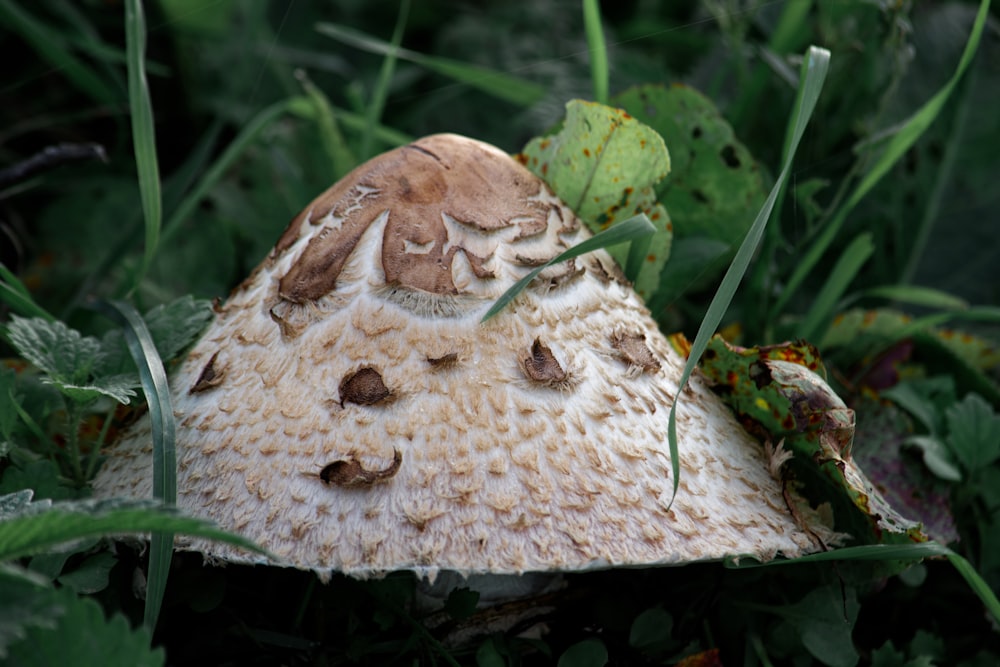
[{"x": 348, "y": 411}]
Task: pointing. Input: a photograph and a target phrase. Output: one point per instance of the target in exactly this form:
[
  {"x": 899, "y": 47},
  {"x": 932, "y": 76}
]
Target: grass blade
[
  {"x": 341, "y": 158},
  {"x": 229, "y": 156},
  {"x": 161, "y": 416},
  {"x": 814, "y": 69},
  {"x": 901, "y": 142},
  {"x": 498, "y": 84},
  {"x": 915, "y": 295},
  {"x": 636, "y": 227},
  {"x": 904, "y": 552},
  {"x": 51, "y": 46},
  {"x": 381, "y": 91},
  {"x": 597, "y": 48},
  {"x": 822, "y": 311},
  {"x": 143, "y": 132},
  {"x": 16, "y": 296}
]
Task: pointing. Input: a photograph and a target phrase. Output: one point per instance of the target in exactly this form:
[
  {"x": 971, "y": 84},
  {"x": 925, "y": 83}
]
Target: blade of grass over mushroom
[
  {"x": 51, "y": 46},
  {"x": 636, "y": 227},
  {"x": 597, "y": 49},
  {"x": 143, "y": 133},
  {"x": 844, "y": 272},
  {"x": 897, "y": 147},
  {"x": 503, "y": 86},
  {"x": 380, "y": 93},
  {"x": 814, "y": 69},
  {"x": 29, "y": 531},
  {"x": 154, "y": 384}
]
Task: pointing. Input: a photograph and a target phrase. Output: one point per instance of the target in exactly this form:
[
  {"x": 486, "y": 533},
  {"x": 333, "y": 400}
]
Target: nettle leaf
[
  {"x": 176, "y": 325},
  {"x": 173, "y": 327},
  {"x": 973, "y": 432},
  {"x": 68, "y": 359},
  {"x": 81, "y": 635},
  {"x": 604, "y": 164}
]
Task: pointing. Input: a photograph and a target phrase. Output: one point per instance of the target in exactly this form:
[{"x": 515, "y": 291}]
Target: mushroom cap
[{"x": 348, "y": 411}]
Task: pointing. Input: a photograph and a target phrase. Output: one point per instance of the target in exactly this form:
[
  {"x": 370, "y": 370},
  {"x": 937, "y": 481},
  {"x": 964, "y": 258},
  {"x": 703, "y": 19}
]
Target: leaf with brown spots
[{"x": 604, "y": 164}]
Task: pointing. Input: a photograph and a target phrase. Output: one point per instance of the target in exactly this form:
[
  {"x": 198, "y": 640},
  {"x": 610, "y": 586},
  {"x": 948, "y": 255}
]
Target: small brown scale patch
[
  {"x": 210, "y": 377},
  {"x": 542, "y": 366},
  {"x": 445, "y": 361},
  {"x": 632, "y": 349},
  {"x": 363, "y": 387},
  {"x": 350, "y": 472}
]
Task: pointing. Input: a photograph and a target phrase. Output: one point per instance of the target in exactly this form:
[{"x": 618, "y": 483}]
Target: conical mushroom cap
[{"x": 348, "y": 411}]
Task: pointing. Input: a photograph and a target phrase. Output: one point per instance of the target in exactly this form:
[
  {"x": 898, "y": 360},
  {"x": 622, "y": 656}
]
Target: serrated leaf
[
  {"x": 973, "y": 432},
  {"x": 65, "y": 355},
  {"x": 175, "y": 325},
  {"x": 41, "y": 476},
  {"x": 12, "y": 503},
  {"x": 35, "y": 527},
  {"x": 92, "y": 575},
  {"x": 118, "y": 387},
  {"x": 604, "y": 164},
  {"x": 83, "y": 636}
]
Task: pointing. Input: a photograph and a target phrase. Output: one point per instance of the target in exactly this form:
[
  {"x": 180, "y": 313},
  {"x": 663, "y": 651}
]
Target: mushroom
[{"x": 348, "y": 411}]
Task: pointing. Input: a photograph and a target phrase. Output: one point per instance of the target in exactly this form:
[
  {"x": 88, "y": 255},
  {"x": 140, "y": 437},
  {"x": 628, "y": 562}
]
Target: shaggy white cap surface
[{"x": 348, "y": 411}]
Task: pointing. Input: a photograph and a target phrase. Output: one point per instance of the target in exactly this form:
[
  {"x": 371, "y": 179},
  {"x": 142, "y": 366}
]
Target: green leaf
[
  {"x": 936, "y": 456},
  {"x": 588, "y": 653},
  {"x": 824, "y": 621},
  {"x": 83, "y": 636},
  {"x": 90, "y": 576},
  {"x": 41, "y": 476},
  {"x": 36, "y": 527},
  {"x": 604, "y": 164},
  {"x": 627, "y": 230},
  {"x": 715, "y": 184},
  {"x": 461, "y": 603},
  {"x": 651, "y": 631},
  {"x": 68, "y": 359},
  {"x": 973, "y": 433},
  {"x": 176, "y": 325}
]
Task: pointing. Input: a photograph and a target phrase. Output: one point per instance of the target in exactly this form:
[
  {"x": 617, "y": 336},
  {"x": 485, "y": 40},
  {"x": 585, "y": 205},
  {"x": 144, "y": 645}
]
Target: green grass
[{"x": 221, "y": 122}]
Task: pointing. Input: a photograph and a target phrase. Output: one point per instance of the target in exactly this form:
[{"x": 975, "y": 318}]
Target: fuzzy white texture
[{"x": 499, "y": 473}]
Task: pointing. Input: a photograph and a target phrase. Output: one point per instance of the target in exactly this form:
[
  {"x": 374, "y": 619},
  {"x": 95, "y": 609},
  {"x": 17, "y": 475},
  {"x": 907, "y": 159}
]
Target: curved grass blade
[
  {"x": 636, "y": 227},
  {"x": 915, "y": 295},
  {"x": 143, "y": 133},
  {"x": 881, "y": 552},
  {"x": 161, "y": 416},
  {"x": 901, "y": 142},
  {"x": 814, "y": 69},
  {"x": 844, "y": 271},
  {"x": 597, "y": 48}
]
